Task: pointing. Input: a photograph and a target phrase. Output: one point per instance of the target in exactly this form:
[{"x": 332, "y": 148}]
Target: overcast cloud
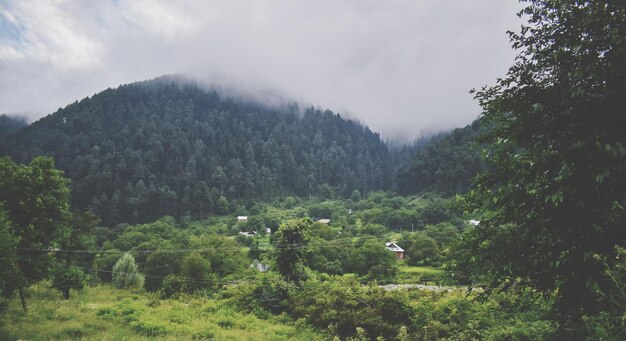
[{"x": 401, "y": 67}]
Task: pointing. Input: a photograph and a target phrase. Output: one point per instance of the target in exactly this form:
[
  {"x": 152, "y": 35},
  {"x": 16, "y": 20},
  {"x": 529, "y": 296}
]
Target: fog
[{"x": 401, "y": 67}]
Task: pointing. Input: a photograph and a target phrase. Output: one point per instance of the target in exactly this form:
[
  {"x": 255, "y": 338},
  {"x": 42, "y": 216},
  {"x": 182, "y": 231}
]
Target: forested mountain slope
[
  {"x": 9, "y": 124},
  {"x": 166, "y": 146},
  {"x": 446, "y": 164}
]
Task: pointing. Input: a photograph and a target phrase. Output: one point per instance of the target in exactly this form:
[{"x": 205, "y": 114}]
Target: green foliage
[
  {"x": 36, "y": 207},
  {"x": 443, "y": 233},
  {"x": 224, "y": 255},
  {"x": 170, "y": 147},
  {"x": 419, "y": 248},
  {"x": 375, "y": 230},
  {"x": 610, "y": 324},
  {"x": 421, "y": 274},
  {"x": 66, "y": 277},
  {"x": 105, "y": 313},
  {"x": 8, "y": 259},
  {"x": 125, "y": 273},
  {"x": 103, "y": 264},
  {"x": 291, "y": 245},
  {"x": 350, "y": 310},
  {"x": 343, "y": 306},
  {"x": 555, "y": 184},
  {"x": 446, "y": 164},
  {"x": 196, "y": 270},
  {"x": 173, "y": 285},
  {"x": 269, "y": 293},
  {"x": 323, "y": 231},
  {"x": 160, "y": 264},
  {"x": 371, "y": 258}
]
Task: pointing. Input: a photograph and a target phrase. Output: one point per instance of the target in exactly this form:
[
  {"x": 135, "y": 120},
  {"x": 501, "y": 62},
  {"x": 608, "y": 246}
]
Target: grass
[
  {"x": 419, "y": 274},
  {"x": 105, "y": 313}
]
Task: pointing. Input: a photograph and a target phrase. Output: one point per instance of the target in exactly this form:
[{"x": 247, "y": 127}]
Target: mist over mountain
[
  {"x": 9, "y": 123},
  {"x": 169, "y": 146}
]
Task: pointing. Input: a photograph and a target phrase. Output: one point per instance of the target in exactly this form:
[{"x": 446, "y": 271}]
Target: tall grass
[{"x": 106, "y": 313}]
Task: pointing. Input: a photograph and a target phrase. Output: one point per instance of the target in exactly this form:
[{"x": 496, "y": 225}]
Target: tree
[
  {"x": 419, "y": 247},
  {"x": 292, "y": 240},
  {"x": 66, "y": 277},
  {"x": 8, "y": 258},
  {"x": 158, "y": 265},
  {"x": 197, "y": 273},
  {"x": 223, "y": 254},
  {"x": 74, "y": 237},
  {"x": 355, "y": 196},
  {"x": 556, "y": 171},
  {"x": 373, "y": 259},
  {"x": 35, "y": 199},
  {"x": 125, "y": 273}
]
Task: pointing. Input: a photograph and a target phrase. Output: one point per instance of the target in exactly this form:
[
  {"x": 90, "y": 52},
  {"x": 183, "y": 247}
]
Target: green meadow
[{"x": 105, "y": 313}]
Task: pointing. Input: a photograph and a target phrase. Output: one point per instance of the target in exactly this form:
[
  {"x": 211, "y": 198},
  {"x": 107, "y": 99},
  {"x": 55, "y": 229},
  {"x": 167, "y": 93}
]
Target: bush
[
  {"x": 159, "y": 264},
  {"x": 197, "y": 273},
  {"x": 125, "y": 273},
  {"x": 172, "y": 286},
  {"x": 270, "y": 293}
]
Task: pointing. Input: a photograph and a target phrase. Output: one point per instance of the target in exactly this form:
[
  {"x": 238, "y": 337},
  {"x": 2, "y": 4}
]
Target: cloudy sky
[{"x": 402, "y": 67}]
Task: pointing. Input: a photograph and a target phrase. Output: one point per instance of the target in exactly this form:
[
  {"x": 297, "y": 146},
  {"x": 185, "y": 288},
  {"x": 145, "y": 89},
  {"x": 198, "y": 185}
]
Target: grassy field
[
  {"x": 106, "y": 313},
  {"x": 419, "y": 274}
]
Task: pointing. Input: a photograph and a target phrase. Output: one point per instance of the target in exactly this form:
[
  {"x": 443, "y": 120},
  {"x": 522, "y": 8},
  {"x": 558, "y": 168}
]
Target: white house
[
  {"x": 242, "y": 218},
  {"x": 324, "y": 221}
]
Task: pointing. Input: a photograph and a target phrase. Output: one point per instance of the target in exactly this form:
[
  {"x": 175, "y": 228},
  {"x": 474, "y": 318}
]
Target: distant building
[
  {"x": 324, "y": 221},
  {"x": 393, "y": 247},
  {"x": 248, "y": 234},
  {"x": 242, "y": 218},
  {"x": 259, "y": 266},
  {"x": 474, "y": 222}
]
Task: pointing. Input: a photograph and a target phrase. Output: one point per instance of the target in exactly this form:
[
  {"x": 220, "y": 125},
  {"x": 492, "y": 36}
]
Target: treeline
[{"x": 169, "y": 147}]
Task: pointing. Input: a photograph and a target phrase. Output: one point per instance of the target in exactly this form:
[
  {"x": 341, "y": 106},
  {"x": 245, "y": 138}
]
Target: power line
[{"x": 336, "y": 242}]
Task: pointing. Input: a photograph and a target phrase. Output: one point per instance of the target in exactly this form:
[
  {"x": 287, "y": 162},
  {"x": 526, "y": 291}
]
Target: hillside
[
  {"x": 446, "y": 164},
  {"x": 170, "y": 147},
  {"x": 9, "y": 124}
]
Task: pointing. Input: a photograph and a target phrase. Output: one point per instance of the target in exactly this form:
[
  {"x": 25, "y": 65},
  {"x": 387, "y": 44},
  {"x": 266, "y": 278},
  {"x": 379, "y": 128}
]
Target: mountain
[
  {"x": 9, "y": 124},
  {"x": 169, "y": 146},
  {"x": 446, "y": 164}
]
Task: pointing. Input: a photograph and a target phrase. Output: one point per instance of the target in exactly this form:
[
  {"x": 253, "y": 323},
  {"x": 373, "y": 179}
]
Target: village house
[
  {"x": 324, "y": 221},
  {"x": 242, "y": 218},
  {"x": 393, "y": 247}
]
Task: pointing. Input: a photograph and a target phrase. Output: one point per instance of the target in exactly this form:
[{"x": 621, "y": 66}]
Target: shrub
[
  {"x": 197, "y": 273},
  {"x": 172, "y": 286},
  {"x": 125, "y": 273},
  {"x": 269, "y": 293},
  {"x": 159, "y": 264}
]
